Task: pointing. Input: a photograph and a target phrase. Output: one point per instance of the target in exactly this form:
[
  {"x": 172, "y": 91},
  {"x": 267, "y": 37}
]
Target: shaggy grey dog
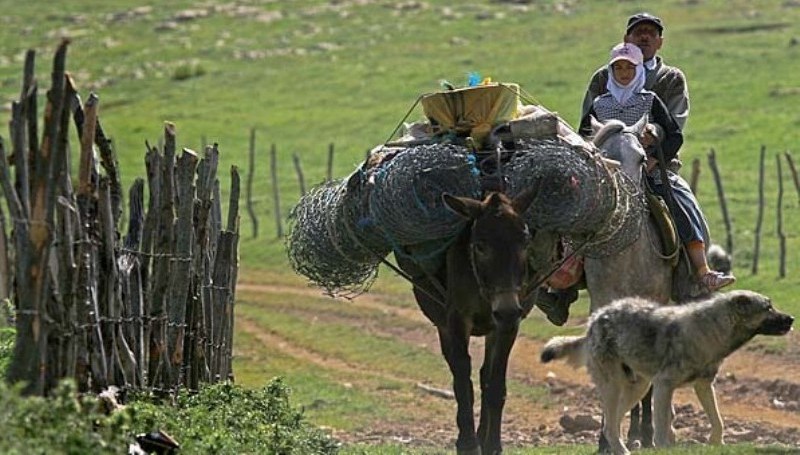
[{"x": 634, "y": 342}]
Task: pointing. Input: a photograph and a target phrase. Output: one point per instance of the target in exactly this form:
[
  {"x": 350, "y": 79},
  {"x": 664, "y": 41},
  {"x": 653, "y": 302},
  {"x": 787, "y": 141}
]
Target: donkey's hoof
[{"x": 473, "y": 451}]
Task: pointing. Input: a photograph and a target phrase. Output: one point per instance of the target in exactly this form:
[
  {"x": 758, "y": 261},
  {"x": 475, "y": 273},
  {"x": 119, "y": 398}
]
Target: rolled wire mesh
[
  {"x": 406, "y": 197},
  {"x": 623, "y": 226},
  {"x": 331, "y": 240},
  {"x": 578, "y": 196},
  {"x": 340, "y": 231}
]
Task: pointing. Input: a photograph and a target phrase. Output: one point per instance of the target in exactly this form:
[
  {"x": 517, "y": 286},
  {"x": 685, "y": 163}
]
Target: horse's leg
[
  {"x": 635, "y": 430},
  {"x": 493, "y": 387},
  {"x": 454, "y": 343},
  {"x": 647, "y": 419}
]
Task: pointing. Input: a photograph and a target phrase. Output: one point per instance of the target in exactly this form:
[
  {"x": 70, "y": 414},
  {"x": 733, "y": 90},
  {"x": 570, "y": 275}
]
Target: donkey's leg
[
  {"x": 647, "y": 419},
  {"x": 455, "y": 348},
  {"x": 493, "y": 387},
  {"x": 635, "y": 430}
]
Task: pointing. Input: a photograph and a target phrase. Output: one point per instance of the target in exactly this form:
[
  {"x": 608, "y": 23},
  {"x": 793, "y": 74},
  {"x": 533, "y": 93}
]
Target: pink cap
[{"x": 627, "y": 51}]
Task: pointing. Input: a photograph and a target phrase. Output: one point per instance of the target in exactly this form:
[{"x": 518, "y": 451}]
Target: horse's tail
[{"x": 572, "y": 348}]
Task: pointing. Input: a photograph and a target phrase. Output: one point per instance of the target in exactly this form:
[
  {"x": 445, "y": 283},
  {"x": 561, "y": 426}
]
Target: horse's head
[
  {"x": 619, "y": 142},
  {"x": 497, "y": 249}
]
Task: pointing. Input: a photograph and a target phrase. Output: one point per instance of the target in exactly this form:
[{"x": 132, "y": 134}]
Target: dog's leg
[
  {"x": 611, "y": 395},
  {"x": 662, "y": 412},
  {"x": 632, "y": 392},
  {"x": 704, "y": 388}
]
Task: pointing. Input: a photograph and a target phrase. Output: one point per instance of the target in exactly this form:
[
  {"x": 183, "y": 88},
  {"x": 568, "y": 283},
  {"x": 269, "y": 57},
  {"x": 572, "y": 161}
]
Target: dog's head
[{"x": 755, "y": 311}]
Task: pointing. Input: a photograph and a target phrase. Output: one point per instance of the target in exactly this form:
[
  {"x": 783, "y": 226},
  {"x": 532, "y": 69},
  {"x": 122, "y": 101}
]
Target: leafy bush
[
  {"x": 220, "y": 419},
  {"x": 61, "y": 423},
  {"x": 228, "y": 419},
  {"x": 7, "y": 336}
]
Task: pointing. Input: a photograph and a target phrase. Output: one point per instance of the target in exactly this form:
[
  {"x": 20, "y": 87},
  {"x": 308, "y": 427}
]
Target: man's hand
[
  {"x": 650, "y": 136},
  {"x": 651, "y": 163}
]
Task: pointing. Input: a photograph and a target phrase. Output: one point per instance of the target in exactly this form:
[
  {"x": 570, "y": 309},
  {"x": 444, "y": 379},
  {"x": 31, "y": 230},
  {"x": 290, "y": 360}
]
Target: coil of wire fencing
[
  {"x": 406, "y": 199},
  {"x": 331, "y": 239},
  {"x": 341, "y": 231},
  {"x": 578, "y": 196}
]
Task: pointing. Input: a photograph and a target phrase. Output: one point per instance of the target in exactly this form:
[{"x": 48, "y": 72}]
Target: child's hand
[
  {"x": 650, "y": 136},
  {"x": 651, "y": 163}
]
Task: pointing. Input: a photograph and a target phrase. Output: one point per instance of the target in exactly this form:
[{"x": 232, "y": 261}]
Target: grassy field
[{"x": 309, "y": 73}]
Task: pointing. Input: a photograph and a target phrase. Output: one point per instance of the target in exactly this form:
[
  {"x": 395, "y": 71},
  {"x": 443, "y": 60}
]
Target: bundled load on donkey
[{"x": 473, "y": 140}]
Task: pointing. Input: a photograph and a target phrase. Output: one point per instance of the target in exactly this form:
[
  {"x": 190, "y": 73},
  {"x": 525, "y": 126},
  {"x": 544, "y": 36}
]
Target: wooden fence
[{"x": 152, "y": 309}]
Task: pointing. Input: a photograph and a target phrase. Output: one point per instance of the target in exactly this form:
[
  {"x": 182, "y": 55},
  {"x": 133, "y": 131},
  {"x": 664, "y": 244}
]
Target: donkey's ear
[
  {"x": 640, "y": 125},
  {"x": 595, "y": 125},
  {"x": 523, "y": 200},
  {"x": 462, "y": 206}
]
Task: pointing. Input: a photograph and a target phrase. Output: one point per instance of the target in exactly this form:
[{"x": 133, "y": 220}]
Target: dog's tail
[{"x": 572, "y": 348}]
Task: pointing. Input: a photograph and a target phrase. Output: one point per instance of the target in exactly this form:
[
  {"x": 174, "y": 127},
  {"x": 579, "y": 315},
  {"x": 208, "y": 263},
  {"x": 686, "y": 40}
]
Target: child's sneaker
[{"x": 714, "y": 280}]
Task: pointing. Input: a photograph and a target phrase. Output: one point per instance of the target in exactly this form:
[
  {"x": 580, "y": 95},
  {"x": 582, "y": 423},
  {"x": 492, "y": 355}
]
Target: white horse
[{"x": 641, "y": 269}]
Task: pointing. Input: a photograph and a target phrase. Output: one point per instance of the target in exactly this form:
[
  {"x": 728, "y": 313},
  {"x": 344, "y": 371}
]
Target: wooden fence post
[
  {"x": 163, "y": 254},
  {"x": 329, "y": 174},
  {"x": 779, "y": 227},
  {"x": 793, "y": 170},
  {"x": 249, "y": 189},
  {"x": 273, "y": 169},
  {"x": 712, "y": 164},
  {"x": 180, "y": 270},
  {"x": 759, "y": 220},
  {"x": 299, "y": 170},
  {"x": 695, "y": 175}
]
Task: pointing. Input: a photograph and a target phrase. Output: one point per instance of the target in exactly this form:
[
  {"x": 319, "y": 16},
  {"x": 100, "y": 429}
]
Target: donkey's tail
[{"x": 573, "y": 349}]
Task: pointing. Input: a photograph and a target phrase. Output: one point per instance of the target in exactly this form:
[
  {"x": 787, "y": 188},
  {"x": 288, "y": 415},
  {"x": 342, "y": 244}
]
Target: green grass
[{"x": 341, "y": 73}]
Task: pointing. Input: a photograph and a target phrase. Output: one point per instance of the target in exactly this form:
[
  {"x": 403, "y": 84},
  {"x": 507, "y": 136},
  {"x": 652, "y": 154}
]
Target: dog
[{"x": 633, "y": 343}]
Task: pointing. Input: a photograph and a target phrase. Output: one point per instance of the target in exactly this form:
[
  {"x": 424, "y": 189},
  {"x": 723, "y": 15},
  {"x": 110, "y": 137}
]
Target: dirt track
[{"x": 759, "y": 393}]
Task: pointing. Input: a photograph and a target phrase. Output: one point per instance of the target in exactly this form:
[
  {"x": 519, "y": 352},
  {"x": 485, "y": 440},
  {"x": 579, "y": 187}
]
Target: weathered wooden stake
[
  {"x": 760, "y": 219},
  {"x": 779, "y": 228},
  {"x": 298, "y": 168},
  {"x": 251, "y": 166},
  {"x": 273, "y": 170},
  {"x": 793, "y": 170},
  {"x": 712, "y": 164},
  {"x": 329, "y": 174}
]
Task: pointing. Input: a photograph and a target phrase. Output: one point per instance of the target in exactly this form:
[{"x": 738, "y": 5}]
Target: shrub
[
  {"x": 220, "y": 419},
  {"x": 228, "y": 419}
]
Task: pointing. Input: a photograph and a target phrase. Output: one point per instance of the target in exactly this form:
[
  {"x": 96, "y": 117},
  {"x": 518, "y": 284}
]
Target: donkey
[
  {"x": 641, "y": 269},
  {"x": 482, "y": 279}
]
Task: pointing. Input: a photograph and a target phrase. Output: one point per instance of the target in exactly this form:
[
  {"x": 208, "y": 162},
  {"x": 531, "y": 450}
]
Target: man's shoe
[{"x": 553, "y": 306}]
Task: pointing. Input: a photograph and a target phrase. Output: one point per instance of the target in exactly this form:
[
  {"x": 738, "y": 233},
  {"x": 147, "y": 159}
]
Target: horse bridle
[{"x": 481, "y": 287}]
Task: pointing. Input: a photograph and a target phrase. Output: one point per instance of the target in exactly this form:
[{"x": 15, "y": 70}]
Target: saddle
[{"x": 659, "y": 212}]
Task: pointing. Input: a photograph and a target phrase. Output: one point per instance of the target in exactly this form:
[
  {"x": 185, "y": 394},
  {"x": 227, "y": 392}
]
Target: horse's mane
[{"x": 612, "y": 126}]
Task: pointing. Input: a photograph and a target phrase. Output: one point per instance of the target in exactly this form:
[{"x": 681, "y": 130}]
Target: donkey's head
[
  {"x": 619, "y": 142},
  {"x": 497, "y": 249}
]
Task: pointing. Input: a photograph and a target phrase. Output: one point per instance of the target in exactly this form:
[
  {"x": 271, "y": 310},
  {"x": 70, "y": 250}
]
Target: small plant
[
  {"x": 7, "y": 337},
  {"x": 220, "y": 419},
  {"x": 228, "y": 419},
  {"x": 188, "y": 70}
]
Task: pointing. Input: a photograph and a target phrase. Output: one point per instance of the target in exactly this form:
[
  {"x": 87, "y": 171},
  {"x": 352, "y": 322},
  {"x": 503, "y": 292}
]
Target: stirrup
[{"x": 714, "y": 280}]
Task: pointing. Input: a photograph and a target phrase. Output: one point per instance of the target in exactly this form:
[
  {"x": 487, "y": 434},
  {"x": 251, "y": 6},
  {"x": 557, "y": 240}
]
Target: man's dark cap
[{"x": 637, "y": 19}]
